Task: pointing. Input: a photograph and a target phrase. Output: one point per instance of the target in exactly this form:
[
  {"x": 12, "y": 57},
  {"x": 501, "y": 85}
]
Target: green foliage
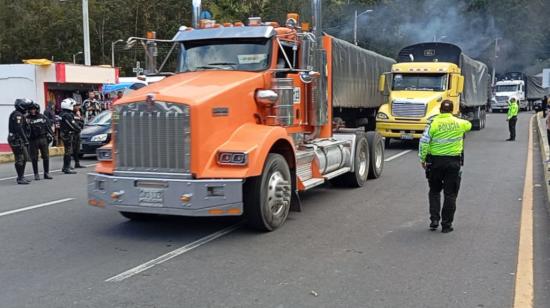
[{"x": 53, "y": 28}]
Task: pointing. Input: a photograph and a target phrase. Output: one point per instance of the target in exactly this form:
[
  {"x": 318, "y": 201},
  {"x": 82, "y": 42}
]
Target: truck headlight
[
  {"x": 233, "y": 158},
  {"x": 104, "y": 154},
  {"x": 382, "y": 116},
  {"x": 99, "y": 138}
]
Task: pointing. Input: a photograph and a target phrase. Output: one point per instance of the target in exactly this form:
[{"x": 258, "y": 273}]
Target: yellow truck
[{"x": 426, "y": 74}]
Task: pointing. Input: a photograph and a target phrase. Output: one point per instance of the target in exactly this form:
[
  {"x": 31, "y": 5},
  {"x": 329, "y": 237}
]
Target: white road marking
[
  {"x": 32, "y": 207},
  {"x": 172, "y": 254},
  {"x": 397, "y": 155},
  {"x": 30, "y": 174}
]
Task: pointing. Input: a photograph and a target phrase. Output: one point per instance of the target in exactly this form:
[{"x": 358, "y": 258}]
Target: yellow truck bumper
[{"x": 400, "y": 130}]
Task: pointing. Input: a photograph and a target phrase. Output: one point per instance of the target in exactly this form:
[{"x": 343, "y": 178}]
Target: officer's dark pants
[
  {"x": 21, "y": 156},
  {"x": 76, "y": 149},
  {"x": 512, "y": 127},
  {"x": 39, "y": 145},
  {"x": 68, "y": 147},
  {"x": 444, "y": 174}
]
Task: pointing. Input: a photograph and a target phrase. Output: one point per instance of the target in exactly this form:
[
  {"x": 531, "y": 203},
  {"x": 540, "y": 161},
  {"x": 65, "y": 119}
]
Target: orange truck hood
[{"x": 194, "y": 88}]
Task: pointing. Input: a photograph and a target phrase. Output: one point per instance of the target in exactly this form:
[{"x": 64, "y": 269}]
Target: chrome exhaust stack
[{"x": 196, "y": 13}]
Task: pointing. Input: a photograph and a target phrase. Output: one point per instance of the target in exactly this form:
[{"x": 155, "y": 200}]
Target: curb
[
  {"x": 544, "y": 153},
  {"x": 8, "y": 157}
]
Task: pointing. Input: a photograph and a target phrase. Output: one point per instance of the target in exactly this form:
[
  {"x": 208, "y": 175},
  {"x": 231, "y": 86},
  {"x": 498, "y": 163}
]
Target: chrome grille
[
  {"x": 408, "y": 109},
  {"x": 152, "y": 137}
]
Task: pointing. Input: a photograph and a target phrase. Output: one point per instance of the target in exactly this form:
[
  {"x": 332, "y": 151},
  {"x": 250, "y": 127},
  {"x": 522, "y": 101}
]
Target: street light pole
[
  {"x": 495, "y": 62},
  {"x": 113, "y": 51},
  {"x": 355, "y": 24},
  {"x": 86, "y": 30}
]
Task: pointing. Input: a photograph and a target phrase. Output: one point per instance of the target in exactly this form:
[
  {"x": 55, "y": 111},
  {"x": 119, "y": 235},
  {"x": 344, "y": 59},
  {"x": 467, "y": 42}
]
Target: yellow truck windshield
[{"x": 419, "y": 82}]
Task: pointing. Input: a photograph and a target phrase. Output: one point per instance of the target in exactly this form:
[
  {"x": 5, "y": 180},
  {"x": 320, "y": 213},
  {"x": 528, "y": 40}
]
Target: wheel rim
[
  {"x": 378, "y": 152},
  {"x": 278, "y": 194},
  {"x": 363, "y": 163}
]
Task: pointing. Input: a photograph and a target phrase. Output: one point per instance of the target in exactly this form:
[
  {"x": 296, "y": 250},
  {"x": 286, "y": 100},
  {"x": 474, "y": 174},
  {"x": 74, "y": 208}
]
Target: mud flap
[{"x": 295, "y": 202}]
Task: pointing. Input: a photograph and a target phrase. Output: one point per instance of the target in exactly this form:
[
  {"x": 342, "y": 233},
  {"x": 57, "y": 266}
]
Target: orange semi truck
[{"x": 254, "y": 115}]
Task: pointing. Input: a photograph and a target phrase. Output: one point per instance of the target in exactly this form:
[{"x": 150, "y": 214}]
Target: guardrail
[{"x": 544, "y": 151}]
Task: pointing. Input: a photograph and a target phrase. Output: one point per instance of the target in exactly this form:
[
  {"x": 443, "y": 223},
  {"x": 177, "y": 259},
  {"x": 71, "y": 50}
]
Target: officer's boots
[
  {"x": 67, "y": 165},
  {"x": 46, "y": 164},
  {"x": 35, "y": 170},
  {"x": 21, "y": 175}
]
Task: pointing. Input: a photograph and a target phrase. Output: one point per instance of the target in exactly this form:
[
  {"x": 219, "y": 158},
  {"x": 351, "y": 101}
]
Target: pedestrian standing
[
  {"x": 441, "y": 151},
  {"x": 91, "y": 107},
  {"x": 79, "y": 119},
  {"x": 513, "y": 109},
  {"x": 18, "y": 137},
  {"x": 41, "y": 134},
  {"x": 68, "y": 127},
  {"x": 544, "y": 105}
]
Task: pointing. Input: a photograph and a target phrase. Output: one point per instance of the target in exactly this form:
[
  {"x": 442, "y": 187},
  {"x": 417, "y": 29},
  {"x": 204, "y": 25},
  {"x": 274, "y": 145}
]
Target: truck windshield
[
  {"x": 224, "y": 54},
  {"x": 507, "y": 88},
  {"x": 420, "y": 82}
]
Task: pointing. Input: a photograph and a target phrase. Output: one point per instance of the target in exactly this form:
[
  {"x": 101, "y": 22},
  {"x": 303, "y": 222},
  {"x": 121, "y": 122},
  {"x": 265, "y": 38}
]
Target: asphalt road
[{"x": 367, "y": 247}]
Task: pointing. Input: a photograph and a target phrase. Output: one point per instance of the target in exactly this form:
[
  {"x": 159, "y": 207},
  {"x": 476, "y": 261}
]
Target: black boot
[
  {"x": 46, "y": 164},
  {"x": 77, "y": 165},
  {"x": 20, "y": 175},
  {"x": 35, "y": 170},
  {"x": 67, "y": 165},
  {"x": 23, "y": 173},
  {"x": 434, "y": 224}
]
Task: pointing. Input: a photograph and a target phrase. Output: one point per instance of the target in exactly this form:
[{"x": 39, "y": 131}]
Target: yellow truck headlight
[{"x": 382, "y": 116}]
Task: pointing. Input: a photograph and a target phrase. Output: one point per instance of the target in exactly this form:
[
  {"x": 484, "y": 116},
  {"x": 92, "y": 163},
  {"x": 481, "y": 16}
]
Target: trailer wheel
[
  {"x": 476, "y": 121},
  {"x": 267, "y": 197},
  {"x": 138, "y": 216},
  {"x": 376, "y": 155}
]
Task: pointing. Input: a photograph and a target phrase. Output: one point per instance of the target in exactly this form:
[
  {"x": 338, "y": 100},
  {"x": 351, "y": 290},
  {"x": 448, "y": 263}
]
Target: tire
[
  {"x": 361, "y": 162},
  {"x": 138, "y": 216},
  {"x": 483, "y": 119},
  {"x": 376, "y": 147},
  {"x": 476, "y": 122},
  {"x": 267, "y": 197}
]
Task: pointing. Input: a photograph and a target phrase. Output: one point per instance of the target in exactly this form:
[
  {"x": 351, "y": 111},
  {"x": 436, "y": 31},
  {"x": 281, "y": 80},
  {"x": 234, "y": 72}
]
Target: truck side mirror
[
  {"x": 383, "y": 84},
  {"x": 456, "y": 89}
]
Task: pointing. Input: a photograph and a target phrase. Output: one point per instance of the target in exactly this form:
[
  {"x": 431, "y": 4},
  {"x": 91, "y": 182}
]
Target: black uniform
[
  {"x": 40, "y": 137},
  {"x": 444, "y": 174},
  {"x": 76, "y": 140},
  {"x": 69, "y": 127},
  {"x": 18, "y": 139}
]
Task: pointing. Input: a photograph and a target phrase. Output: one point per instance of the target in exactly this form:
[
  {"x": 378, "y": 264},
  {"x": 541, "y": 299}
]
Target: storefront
[{"x": 47, "y": 83}]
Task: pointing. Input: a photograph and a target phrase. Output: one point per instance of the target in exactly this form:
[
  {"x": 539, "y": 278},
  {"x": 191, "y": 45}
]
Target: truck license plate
[
  {"x": 151, "y": 197},
  {"x": 407, "y": 136}
]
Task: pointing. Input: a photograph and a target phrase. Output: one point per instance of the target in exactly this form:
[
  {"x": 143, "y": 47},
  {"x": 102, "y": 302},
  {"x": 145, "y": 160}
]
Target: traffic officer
[
  {"x": 40, "y": 137},
  {"x": 76, "y": 137},
  {"x": 18, "y": 137},
  {"x": 69, "y": 128},
  {"x": 513, "y": 109},
  {"x": 441, "y": 152}
]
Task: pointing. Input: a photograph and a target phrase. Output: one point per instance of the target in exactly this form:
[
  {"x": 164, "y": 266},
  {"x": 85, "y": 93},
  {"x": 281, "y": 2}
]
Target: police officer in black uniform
[
  {"x": 18, "y": 137},
  {"x": 41, "y": 135},
  {"x": 69, "y": 128},
  {"x": 76, "y": 141}
]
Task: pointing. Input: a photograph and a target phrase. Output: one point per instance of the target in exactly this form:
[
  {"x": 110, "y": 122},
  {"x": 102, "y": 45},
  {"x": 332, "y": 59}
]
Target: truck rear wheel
[
  {"x": 267, "y": 197},
  {"x": 376, "y": 155},
  {"x": 361, "y": 163}
]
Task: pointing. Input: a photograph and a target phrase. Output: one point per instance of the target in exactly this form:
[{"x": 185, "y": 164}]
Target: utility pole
[
  {"x": 495, "y": 61},
  {"x": 86, "y": 30},
  {"x": 113, "y": 51}
]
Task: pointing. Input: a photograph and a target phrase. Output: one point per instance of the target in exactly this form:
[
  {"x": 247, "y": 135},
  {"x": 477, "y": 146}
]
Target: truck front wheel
[{"x": 267, "y": 197}]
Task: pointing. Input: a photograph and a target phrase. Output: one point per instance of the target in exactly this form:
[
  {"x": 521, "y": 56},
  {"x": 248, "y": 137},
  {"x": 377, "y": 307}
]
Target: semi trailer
[
  {"x": 425, "y": 75},
  {"x": 246, "y": 123}
]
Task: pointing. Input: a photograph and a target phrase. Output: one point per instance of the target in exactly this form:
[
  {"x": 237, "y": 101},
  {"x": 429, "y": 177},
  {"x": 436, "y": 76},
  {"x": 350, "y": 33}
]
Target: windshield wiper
[{"x": 223, "y": 63}]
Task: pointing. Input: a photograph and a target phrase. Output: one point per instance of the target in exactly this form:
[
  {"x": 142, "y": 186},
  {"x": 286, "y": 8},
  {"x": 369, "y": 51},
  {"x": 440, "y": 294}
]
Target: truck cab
[
  {"x": 242, "y": 126},
  {"x": 415, "y": 93},
  {"x": 506, "y": 89}
]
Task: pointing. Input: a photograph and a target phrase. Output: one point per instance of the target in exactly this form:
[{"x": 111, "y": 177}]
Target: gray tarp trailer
[
  {"x": 534, "y": 89},
  {"x": 355, "y": 75}
]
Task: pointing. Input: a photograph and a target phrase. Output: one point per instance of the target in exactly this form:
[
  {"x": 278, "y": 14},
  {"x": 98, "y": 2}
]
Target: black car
[{"x": 96, "y": 133}]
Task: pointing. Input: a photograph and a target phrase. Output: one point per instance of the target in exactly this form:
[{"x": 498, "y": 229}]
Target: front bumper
[
  {"x": 89, "y": 147},
  {"x": 400, "y": 130},
  {"x": 166, "y": 196}
]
